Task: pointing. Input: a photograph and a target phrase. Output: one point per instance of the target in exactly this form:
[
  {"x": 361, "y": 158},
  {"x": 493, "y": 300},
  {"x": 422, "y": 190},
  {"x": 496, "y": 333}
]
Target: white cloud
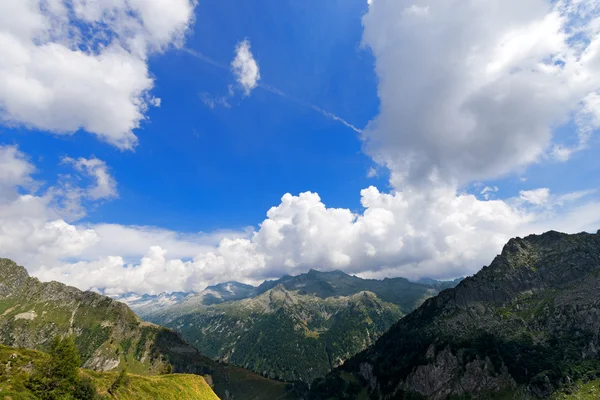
[
  {"x": 488, "y": 191},
  {"x": 245, "y": 68},
  {"x": 15, "y": 172},
  {"x": 105, "y": 186},
  {"x": 536, "y": 197},
  {"x": 409, "y": 234},
  {"x": 212, "y": 101},
  {"x": 70, "y": 65},
  {"x": 412, "y": 233},
  {"x": 471, "y": 91}
]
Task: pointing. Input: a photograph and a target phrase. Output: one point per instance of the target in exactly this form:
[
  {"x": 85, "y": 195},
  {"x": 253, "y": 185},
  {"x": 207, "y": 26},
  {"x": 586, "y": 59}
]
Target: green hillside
[
  {"x": 108, "y": 335},
  {"x": 580, "y": 391},
  {"x": 17, "y": 364}
]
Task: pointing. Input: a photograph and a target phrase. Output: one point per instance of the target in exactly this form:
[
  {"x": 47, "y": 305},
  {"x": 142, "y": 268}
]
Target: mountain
[
  {"x": 18, "y": 364},
  {"x": 295, "y": 328},
  {"x": 399, "y": 291},
  {"x": 440, "y": 285},
  {"x": 146, "y": 304},
  {"x": 522, "y": 327},
  {"x": 109, "y": 335}
]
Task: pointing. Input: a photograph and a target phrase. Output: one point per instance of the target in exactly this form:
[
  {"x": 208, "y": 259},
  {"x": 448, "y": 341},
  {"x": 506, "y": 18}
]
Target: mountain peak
[
  {"x": 12, "y": 276},
  {"x": 229, "y": 284}
]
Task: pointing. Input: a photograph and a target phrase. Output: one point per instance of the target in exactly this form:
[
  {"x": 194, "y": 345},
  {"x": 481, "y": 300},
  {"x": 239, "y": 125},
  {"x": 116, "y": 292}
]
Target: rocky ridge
[{"x": 527, "y": 324}]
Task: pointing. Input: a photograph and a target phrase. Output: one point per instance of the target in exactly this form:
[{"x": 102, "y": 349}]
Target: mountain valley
[{"x": 295, "y": 328}]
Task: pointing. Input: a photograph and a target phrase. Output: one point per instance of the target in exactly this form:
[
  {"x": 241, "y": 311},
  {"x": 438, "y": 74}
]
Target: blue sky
[
  {"x": 449, "y": 101},
  {"x": 201, "y": 169}
]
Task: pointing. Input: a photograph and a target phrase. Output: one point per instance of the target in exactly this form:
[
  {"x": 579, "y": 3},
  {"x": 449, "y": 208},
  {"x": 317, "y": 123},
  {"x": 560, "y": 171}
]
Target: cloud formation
[
  {"x": 472, "y": 91},
  {"x": 105, "y": 186},
  {"x": 413, "y": 233},
  {"x": 245, "y": 68},
  {"x": 69, "y": 65},
  {"x": 468, "y": 92}
]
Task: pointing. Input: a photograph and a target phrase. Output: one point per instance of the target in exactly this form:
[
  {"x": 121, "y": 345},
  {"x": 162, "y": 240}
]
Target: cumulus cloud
[
  {"x": 70, "y": 65},
  {"x": 413, "y": 233},
  {"x": 471, "y": 91},
  {"x": 15, "y": 172},
  {"x": 536, "y": 197},
  {"x": 245, "y": 68},
  {"x": 105, "y": 186},
  {"x": 394, "y": 236}
]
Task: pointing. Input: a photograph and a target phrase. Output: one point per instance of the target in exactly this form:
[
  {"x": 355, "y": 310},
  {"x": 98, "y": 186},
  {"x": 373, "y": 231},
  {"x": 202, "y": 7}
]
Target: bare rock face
[
  {"x": 527, "y": 324},
  {"x": 449, "y": 374}
]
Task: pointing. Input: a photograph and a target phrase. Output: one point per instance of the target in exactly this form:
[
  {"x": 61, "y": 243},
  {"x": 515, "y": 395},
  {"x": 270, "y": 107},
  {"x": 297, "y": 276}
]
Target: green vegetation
[
  {"x": 120, "y": 381},
  {"x": 580, "y": 391},
  {"x": 287, "y": 335},
  {"x": 33, "y": 375},
  {"x": 164, "y": 387},
  {"x": 58, "y": 377}
]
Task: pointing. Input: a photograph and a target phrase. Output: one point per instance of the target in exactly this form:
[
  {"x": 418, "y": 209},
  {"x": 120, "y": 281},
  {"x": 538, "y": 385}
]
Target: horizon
[{"x": 154, "y": 147}]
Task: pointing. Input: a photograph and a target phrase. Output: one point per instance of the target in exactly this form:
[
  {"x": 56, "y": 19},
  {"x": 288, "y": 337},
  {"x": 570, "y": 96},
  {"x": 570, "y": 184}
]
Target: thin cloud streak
[
  {"x": 274, "y": 90},
  {"x": 301, "y": 102},
  {"x": 204, "y": 58}
]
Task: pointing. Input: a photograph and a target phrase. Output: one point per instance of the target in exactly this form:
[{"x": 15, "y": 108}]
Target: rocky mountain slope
[
  {"x": 522, "y": 327},
  {"x": 295, "y": 328},
  {"x": 109, "y": 335}
]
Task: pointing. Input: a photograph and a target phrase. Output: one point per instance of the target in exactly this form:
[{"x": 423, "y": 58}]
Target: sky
[{"x": 154, "y": 146}]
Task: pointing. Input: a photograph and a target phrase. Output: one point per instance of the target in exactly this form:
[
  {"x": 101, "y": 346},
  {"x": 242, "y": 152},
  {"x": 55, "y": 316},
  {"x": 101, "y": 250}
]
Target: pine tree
[{"x": 58, "y": 378}]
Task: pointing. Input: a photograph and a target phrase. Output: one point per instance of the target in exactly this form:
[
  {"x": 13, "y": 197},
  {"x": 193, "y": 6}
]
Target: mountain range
[{"x": 296, "y": 328}]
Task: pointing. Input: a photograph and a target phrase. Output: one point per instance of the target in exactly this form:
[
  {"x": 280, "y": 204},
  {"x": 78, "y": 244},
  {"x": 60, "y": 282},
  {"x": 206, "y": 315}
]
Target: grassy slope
[
  {"x": 15, "y": 365},
  {"x": 581, "y": 391},
  {"x": 164, "y": 387}
]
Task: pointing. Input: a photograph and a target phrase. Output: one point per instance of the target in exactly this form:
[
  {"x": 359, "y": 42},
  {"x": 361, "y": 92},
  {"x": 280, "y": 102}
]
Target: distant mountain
[
  {"x": 109, "y": 335},
  {"x": 440, "y": 285},
  {"x": 146, "y": 304},
  {"x": 398, "y": 291},
  {"x": 521, "y": 328},
  {"x": 294, "y": 328}
]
